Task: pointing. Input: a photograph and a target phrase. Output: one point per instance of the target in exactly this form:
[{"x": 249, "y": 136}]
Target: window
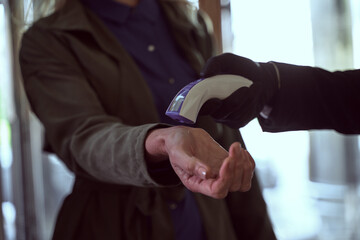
[{"x": 303, "y": 202}]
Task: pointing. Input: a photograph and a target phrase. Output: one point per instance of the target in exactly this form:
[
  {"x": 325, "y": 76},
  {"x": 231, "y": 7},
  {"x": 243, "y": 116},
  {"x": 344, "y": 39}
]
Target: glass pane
[{"x": 282, "y": 30}]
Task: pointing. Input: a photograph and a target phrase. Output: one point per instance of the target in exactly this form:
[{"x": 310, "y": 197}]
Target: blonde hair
[{"x": 35, "y": 11}]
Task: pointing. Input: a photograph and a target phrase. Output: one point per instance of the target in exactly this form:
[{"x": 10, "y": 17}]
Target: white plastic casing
[{"x": 219, "y": 86}]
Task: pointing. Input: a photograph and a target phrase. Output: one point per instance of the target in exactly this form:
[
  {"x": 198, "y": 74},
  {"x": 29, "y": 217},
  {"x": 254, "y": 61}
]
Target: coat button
[
  {"x": 171, "y": 80},
  {"x": 151, "y": 48},
  {"x": 172, "y": 206}
]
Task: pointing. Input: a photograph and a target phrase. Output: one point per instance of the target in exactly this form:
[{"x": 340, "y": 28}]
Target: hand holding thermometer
[{"x": 187, "y": 103}]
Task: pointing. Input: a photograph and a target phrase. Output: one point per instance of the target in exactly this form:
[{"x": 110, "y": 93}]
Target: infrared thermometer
[{"x": 187, "y": 103}]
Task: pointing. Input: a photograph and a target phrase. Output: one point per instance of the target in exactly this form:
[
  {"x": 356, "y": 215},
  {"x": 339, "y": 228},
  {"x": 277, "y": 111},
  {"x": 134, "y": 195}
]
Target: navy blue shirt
[{"x": 143, "y": 32}]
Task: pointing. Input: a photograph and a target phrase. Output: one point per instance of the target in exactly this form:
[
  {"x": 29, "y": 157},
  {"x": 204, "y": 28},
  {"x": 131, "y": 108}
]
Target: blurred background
[{"x": 310, "y": 179}]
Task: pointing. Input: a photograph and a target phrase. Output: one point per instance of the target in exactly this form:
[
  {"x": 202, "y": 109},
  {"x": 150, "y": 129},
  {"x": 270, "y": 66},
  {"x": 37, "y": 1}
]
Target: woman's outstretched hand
[{"x": 200, "y": 162}]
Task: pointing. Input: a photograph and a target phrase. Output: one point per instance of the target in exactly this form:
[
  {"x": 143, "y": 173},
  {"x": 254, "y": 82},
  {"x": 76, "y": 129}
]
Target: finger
[
  {"x": 247, "y": 179},
  {"x": 194, "y": 167},
  {"x": 190, "y": 181},
  {"x": 211, "y": 68},
  {"x": 220, "y": 187},
  {"x": 248, "y": 173},
  {"x": 237, "y": 109},
  {"x": 194, "y": 183},
  {"x": 199, "y": 169},
  {"x": 182, "y": 160},
  {"x": 202, "y": 172},
  {"x": 184, "y": 176},
  {"x": 244, "y": 168},
  {"x": 215, "y": 188},
  {"x": 251, "y": 160},
  {"x": 235, "y": 152},
  {"x": 220, "y": 64}
]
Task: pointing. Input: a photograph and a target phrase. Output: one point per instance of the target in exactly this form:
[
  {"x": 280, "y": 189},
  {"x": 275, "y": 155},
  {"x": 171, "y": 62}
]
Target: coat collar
[
  {"x": 119, "y": 13},
  {"x": 74, "y": 16}
]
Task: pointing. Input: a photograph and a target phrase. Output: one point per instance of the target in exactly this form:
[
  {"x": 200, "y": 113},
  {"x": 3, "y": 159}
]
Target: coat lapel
[
  {"x": 190, "y": 30},
  {"x": 75, "y": 17},
  {"x": 190, "y": 35}
]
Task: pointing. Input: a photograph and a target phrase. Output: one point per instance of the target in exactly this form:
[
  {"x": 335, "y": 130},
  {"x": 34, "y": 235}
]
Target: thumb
[
  {"x": 211, "y": 68},
  {"x": 219, "y": 65},
  {"x": 235, "y": 150}
]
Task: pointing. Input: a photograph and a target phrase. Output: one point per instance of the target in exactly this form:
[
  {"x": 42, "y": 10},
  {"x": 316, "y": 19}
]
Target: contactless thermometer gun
[{"x": 188, "y": 101}]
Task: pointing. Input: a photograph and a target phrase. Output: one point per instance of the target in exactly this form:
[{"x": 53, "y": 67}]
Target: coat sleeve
[
  {"x": 313, "y": 98},
  {"x": 91, "y": 142}
]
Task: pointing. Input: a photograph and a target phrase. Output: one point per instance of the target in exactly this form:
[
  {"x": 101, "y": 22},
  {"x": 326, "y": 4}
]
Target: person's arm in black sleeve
[
  {"x": 287, "y": 97},
  {"x": 313, "y": 98}
]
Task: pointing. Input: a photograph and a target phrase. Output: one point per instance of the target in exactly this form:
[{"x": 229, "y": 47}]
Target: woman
[{"x": 99, "y": 75}]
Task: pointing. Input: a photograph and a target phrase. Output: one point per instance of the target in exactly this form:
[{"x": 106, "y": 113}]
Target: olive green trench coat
[{"x": 97, "y": 109}]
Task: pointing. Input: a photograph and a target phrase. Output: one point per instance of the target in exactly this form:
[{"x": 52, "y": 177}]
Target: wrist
[
  {"x": 265, "y": 112},
  {"x": 271, "y": 79},
  {"x": 157, "y": 160},
  {"x": 155, "y": 146},
  {"x": 277, "y": 72}
]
